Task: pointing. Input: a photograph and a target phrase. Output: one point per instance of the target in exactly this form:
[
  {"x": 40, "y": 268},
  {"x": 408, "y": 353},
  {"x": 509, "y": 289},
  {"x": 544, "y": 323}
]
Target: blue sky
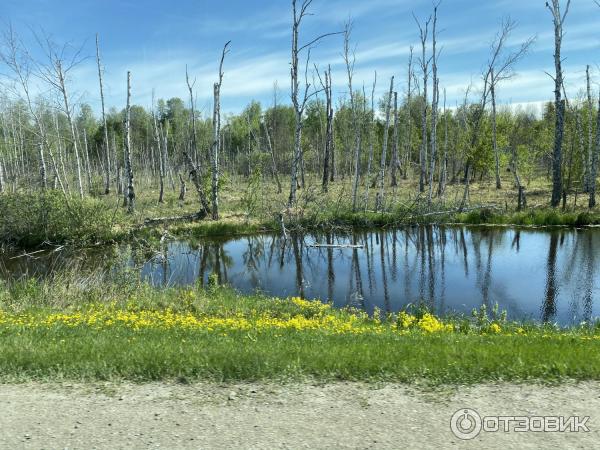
[{"x": 156, "y": 39}]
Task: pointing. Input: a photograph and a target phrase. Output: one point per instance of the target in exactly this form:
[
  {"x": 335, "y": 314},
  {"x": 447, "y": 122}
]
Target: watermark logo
[{"x": 467, "y": 424}]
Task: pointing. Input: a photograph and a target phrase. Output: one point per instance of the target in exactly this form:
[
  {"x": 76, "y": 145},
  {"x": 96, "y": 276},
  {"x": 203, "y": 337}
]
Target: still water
[{"x": 534, "y": 275}]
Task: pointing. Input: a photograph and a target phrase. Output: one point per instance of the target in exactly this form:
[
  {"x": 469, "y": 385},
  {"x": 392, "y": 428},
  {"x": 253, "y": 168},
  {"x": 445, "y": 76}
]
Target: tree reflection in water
[{"x": 549, "y": 276}]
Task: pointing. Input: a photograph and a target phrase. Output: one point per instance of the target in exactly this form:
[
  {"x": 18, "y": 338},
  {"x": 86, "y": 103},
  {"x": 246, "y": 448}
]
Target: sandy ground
[{"x": 337, "y": 415}]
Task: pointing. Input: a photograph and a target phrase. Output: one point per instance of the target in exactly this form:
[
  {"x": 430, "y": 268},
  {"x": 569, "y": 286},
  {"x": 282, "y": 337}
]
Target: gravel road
[{"x": 259, "y": 415}]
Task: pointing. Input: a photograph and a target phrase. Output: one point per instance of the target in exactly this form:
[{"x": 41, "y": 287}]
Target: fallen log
[
  {"x": 335, "y": 246},
  {"x": 150, "y": 222}
]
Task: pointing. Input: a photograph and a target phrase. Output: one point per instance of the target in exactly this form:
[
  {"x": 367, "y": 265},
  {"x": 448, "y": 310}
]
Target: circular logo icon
[{"x": 466, "y": 424}]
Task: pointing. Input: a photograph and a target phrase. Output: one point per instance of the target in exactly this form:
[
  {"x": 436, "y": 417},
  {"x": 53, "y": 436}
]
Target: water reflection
[{"x": 548, "y": 276}]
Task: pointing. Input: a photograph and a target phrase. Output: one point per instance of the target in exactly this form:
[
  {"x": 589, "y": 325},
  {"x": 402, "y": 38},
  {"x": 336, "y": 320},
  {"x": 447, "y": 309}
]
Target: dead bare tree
[
  {"x": 299, "y": 99},
  {"x": 163, "y": 148},
  {"x": 424, "y": 62},
  {"x": 444, "y": 160},
  {"x": 55, "y": 73},
  {"x": 16, "y": 57},
  {"x": 408, "y": 133},
  {"x": 594, "y": 165},
  {"x": 395, "y": 161},
  {"x": 328, "y": 156},
  {"x": 500, "y": 69},
  {"x": 559, "y": 19},
  {"x": 379, "y": 201},
  {"x": 217, "y": 136},
  {"x": 350, "y": 59},
  {"x": 272, "y": 153},
  {"x": 434, "y": 103},
  {"x": 473, "y": 126},
  {"x": 590, "y": 149},
  {"x": 2, "y": 182},
  {"x": 182, "y": 188},
  {"x": 104, "y": 126},
  {"x": 371, "y": 140},
  {"x": 193, "y": 142},
  {"x": 127, "y": 148}
]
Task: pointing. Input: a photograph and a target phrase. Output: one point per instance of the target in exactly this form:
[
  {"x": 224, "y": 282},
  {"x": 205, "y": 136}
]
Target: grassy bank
[{"x": 100, "y": 331}]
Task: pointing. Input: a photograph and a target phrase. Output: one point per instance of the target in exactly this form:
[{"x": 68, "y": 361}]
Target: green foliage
[
  {"x": 251, "y": 196},
  {"x": 30, "y": 219},
  {"x": 533, "y": 217}
]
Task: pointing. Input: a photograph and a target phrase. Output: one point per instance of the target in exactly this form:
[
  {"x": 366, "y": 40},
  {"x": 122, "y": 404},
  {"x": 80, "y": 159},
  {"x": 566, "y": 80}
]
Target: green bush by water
[{"x": 30, "y": 219}]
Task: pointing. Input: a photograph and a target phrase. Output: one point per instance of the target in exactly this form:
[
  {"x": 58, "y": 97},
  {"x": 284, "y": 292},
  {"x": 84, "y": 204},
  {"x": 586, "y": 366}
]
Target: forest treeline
[{"x": 410, "y": 135}]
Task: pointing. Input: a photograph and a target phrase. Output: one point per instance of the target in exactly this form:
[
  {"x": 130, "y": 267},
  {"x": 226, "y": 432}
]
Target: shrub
[{"x": 30, "y": 219}]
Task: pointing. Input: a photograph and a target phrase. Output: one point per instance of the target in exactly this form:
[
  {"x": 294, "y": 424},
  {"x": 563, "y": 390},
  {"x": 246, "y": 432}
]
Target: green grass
[
  {"x": 385, "y": 350},
  {"x": 185, "y": 355}
]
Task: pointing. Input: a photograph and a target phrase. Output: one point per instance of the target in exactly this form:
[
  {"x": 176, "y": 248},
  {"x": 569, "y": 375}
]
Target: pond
[{"x": 536, "y": 275}]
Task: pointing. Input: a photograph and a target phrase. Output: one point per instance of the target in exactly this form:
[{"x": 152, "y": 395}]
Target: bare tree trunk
[
  {"x": 298, "y": 107},
  {"x": 128, "y": 166},
  {"x": 217, "y": 138},
  {"x": 63, "y": 90},
  {"x": 88, "y": 169},
  {"x": 434, "y": 106},
  {"x": 273, "y": 163},
  {"x": 494, "y": 131},
  {"x": 499, "y": 70},
  {"x": 408, "y": 140},
  {"x": 104, "y": 126},
  {"x": 197, "y": 180},
  {"x": 559, "y": 19},
  {"x": 350, "y": 60},
  {"x": 162, "y": 145},
  {"x": 424, "y": 32},
  {"x": 444, "y": 162},
  {"x": 594, "y": 168},
  {"x": 2, "y": 182},
  {"x": 298, "y": 103},
  {"x": 328, "y": 157},
  {"x": 371, "y": 141},
  {"x": 521, "y": 199},
  {"x": 192, "y": 116},
  {"x": 395, "y": 163},
  {"x": 380, "y": 195},
  {"x": 182, "y": 189},
  {"x": 590, "y": 150}
]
